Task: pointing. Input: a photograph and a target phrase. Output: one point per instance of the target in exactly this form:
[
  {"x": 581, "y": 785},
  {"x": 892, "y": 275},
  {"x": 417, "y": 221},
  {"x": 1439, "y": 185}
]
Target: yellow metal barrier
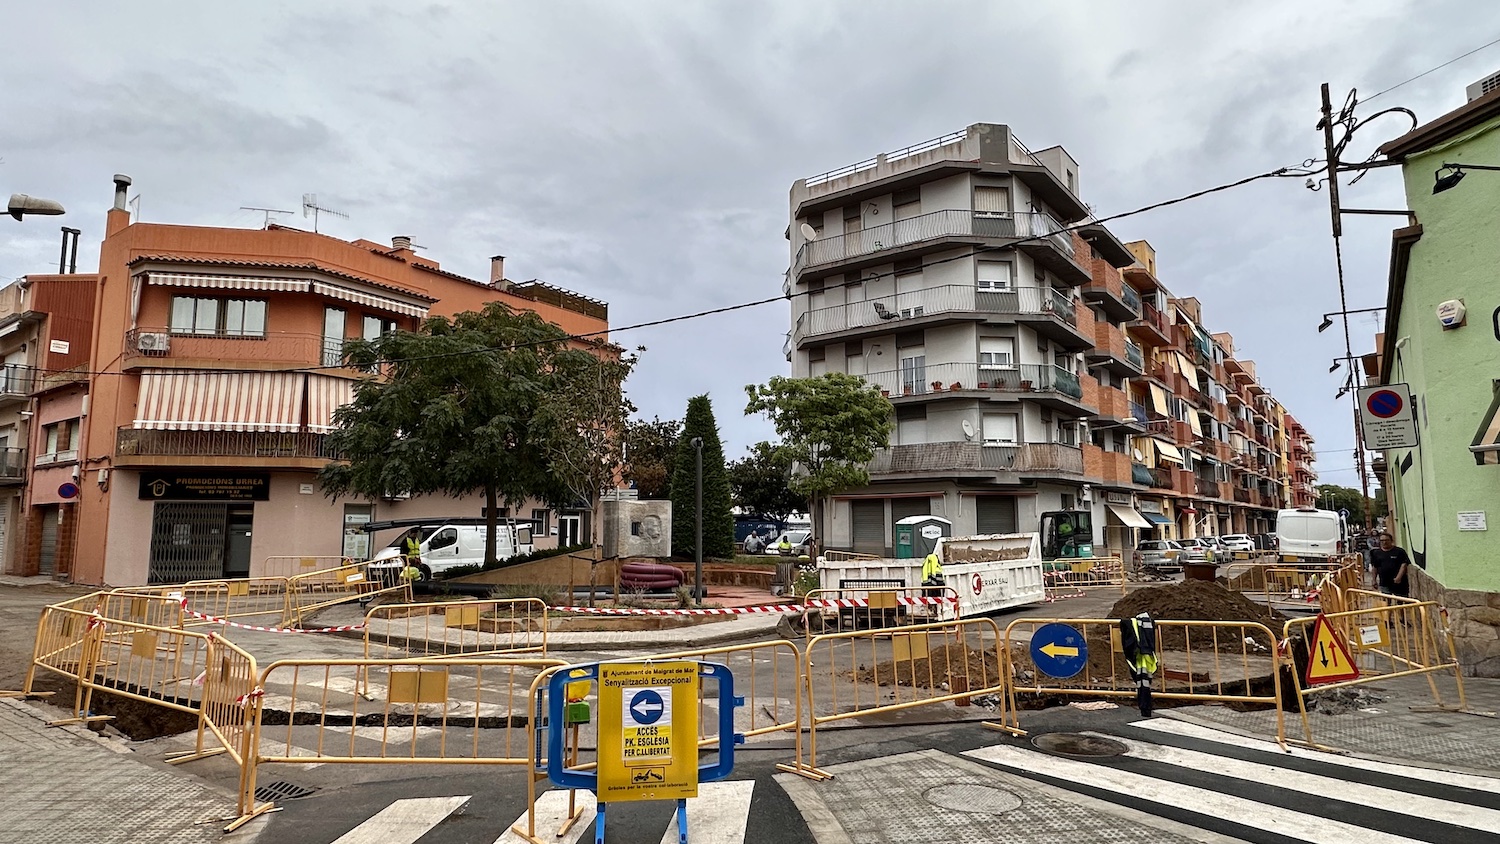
[
  {"x": 536, "y": 762},
  {"x": 155, "y": 608},
  {"x": 459, "y": 628},
  {"x": 228, "y": 713},
  {"x": 773, "y": 704},
  {"x": 63, "y": 634},
  {"x": 1388, "y": 636},
  {"x": 870, "y": 672},
  {"x": 1089, "y": 573},
  {"x": 837, "y": 556},
  {"x": 1201, "y": 661},
  {"x": 864, "y": 608},
  {"x": 291, "y": 565},
  {"x": 314, "y": 591},
  {"x": 165, "y": 666},
  {"x": 262, "y": 601}
]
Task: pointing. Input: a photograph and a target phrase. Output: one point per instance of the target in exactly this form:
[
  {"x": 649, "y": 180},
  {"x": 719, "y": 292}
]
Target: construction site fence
[
  {"x": 869, "y": 672},
  {"x": 458, "y": 628},
  {"x": 1083, "y": 575},
  {"x": 1388, "y": 637},
  {"x": 308, "y": 593},
  {"x": 875, "y": 607},
  {"x": 290, "y": 565},
  {"x": 1198, "y": 661}
]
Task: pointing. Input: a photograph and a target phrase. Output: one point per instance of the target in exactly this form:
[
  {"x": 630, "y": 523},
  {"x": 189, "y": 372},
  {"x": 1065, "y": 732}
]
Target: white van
[
  {"x": 1307, "y": 532},
  {"x": 446, "y": 546}
]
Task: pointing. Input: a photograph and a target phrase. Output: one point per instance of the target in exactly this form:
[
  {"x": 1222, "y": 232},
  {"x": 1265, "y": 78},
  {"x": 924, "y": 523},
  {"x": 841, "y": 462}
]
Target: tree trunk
[
  {"x": 594, "y": 532},
  {"x": 491, "y": 525}
]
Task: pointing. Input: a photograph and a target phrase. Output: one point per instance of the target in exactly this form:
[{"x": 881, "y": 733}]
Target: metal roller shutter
[
  {"x": 995, "y": 514},
  {"x": 903, "y": 507},
  {"x": 868, "y": 518}
]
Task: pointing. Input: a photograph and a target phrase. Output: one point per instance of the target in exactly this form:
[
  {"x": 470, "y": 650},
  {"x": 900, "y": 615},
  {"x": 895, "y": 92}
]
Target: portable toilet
[{"x": 917, "y": 536}]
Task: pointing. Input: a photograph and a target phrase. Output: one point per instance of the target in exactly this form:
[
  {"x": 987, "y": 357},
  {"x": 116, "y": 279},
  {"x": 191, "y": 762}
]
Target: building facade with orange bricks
[
  {"x": 215, "y": 371},
  {"x": 1034, "y": 362}
]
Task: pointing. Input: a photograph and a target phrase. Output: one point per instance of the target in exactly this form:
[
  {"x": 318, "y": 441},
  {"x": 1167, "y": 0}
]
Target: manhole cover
[
  {"x": 281, "y": 791},
  {"x": 1075, "y": 744},
  {"x": 968, "y": 797}
]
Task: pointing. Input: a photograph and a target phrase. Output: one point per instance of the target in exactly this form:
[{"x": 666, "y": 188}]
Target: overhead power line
[{"x": 1433, "y": 69}]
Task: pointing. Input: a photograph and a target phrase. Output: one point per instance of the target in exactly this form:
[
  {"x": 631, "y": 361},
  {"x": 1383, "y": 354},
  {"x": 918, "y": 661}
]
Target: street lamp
[
  {"x": 1327, "y": 322},
  {"x": 1441, "y": 182},
  {"x": 21, "y": 205}
]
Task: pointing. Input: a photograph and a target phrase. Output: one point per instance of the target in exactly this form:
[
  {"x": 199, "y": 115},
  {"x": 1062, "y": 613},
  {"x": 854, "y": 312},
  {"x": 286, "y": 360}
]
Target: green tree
[
  {"x": 761, "y": 482},
  {"x": 485, "y": 402},
  {"x": 650, "y": 448},
  {"x": 718, "y": 520},
  {"x": 831, "y": 425},
  {"x": 1334, "y": 497}
]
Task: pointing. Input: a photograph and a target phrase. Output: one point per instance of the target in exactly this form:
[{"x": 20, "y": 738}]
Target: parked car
[
  {"x": 1310, "y": 532},
  {"x": 1159, "y": 554},
  {"x": 1239, "y": 542},
  {"x": 798, "y": 538},
  {"x": 1198, "y": 550}
]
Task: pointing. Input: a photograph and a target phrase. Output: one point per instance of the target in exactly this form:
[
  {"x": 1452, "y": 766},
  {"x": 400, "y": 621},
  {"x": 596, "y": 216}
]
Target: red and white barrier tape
[
  {"x": 216, "y": 620},
  {"x": 244, "y": 699},
  {"x": 821, "y": 603}
]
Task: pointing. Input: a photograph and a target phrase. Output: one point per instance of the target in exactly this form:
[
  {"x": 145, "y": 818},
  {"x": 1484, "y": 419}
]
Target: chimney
[
  {"x": 119, "y": 216},
  {"x": 497, "y": 273},
  {"x": 400, "y": 242}
]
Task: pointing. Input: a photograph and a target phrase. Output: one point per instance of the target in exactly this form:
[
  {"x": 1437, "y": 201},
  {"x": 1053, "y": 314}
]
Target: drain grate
[
  {"x": 1076, "y": 744},
  {"x": 281, "y": 790}
]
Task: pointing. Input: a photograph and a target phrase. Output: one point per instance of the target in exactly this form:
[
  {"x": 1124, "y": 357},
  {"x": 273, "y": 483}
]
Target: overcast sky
[{"x": 642, "y": 152}]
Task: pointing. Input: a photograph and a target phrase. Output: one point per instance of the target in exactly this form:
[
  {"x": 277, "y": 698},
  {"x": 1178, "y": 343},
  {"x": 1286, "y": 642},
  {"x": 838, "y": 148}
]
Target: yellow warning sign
[
  {"x": 1328, "y": 659},
  {"x": 648, "y": 731}
]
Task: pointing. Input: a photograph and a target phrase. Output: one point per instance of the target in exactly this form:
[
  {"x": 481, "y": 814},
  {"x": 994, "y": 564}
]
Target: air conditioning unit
[{"x": 154, "y": 342}]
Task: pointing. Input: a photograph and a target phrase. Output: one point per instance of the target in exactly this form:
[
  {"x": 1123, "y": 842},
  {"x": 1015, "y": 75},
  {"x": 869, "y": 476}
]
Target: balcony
[
  {"x": 1207, "y": 487},
  {"x": 1141, "y": 474},
  {"x": 1113, "y": 404},
  {"x": 1139, "y": 413},
  {"x": 159, "y": 347},
  {"x": 1151, "y": 327},
  {"x": 1036, "y": 233},
  {"x": 1049, "y": 312},
  {"x": 1163, "y": 478},
  {"x": 1112, "y": 351},
  {"x": 1109, "y": 293},
  {"x": 1242, "y": 495},
  {"x": 973, "y": 460},
  {"x": 294, "y": 449},
  {"x": 1179, "y": 432},
  {"x": 1110, "y": 467},
  {"x": 1134, "y": 356},
  {"x": 12, "y": 466},
  {"x": 1044, "y": 383},
  {"x": 16, "y": 383}
]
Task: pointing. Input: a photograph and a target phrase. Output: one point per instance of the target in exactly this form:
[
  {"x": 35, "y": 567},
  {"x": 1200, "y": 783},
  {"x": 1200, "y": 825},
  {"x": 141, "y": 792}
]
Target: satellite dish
[
  {"x": 968, "y": 429},
  {"x": 1138, "y": 456},
  {"x": 808, "y": 232}
]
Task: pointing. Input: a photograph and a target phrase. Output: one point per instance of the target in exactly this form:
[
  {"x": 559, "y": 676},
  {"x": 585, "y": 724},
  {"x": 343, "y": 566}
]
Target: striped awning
[
  {"x": 324, "y": 395},
  {"x": 228, "y": 282},
  {"x": 1486, "y": 445},
  {"x": 1168, "y": 452},
  {"x": 219, "y": 401},
  {"x": 369, "y": 300}
]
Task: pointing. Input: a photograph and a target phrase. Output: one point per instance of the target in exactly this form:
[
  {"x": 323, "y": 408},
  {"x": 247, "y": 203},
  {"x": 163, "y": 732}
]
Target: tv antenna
[
  {"x": 267, "y": 211},
  {"x": 310, "y": 204}
]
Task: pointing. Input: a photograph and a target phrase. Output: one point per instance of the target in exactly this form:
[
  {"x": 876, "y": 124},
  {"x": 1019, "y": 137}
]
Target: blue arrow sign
[
  {"x": 646, "y": 707},
  {"x": 1059, "y": 650}
]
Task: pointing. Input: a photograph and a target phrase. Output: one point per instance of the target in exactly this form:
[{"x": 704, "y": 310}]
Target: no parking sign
[{"x": 1385, "y": 417}]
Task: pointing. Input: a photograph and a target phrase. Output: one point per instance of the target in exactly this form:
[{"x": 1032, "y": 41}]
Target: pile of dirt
[
  {"x": 979, "y": 668},
  {"x": 1195, "y": 600}
]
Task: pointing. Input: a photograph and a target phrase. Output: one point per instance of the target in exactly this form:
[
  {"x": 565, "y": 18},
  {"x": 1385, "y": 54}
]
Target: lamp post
[
  {"x": 1441, "y": 182},
  {"x": 22, "y": 205},
  {"x": 698, "y": 520}
]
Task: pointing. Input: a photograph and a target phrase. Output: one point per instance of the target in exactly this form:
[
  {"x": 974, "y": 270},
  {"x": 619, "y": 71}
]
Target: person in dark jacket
[{"x": 1391, "y": 567}]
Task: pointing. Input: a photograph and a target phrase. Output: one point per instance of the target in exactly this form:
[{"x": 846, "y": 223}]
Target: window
[
  {"x": 375, "y": 327},
  {"x": 443, "y": 538},
  {"x": 1067, "y": 432},
  {"x": 995, "y": 276},
  {"x": 60, "y": 441},
  {"x": 333, "y": 336},
  {"x": 992, "y": 202},
  {"x": 907, "y": 203},
  {"x": 1001, "y": 428},
  {"x": 541, "y": 521},
  {"x": 913, "y": 369},
  {"x": 222, "y": 317},
  {"x": 997, "y": 353}
]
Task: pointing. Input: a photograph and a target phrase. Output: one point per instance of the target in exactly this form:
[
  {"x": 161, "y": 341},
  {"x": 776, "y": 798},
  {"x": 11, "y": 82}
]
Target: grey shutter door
[
  {"x": 995, "y": 514},
  {"x": 903, "y": 507},
  {"x": 47, "y": 557},
  {"x": 868, "y": 518}
]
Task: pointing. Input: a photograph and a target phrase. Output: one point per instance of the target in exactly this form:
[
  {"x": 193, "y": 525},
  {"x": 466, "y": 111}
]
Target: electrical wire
[
  {"x": 1433, "y": 70},
  {"x": 1281, "y": 172}
]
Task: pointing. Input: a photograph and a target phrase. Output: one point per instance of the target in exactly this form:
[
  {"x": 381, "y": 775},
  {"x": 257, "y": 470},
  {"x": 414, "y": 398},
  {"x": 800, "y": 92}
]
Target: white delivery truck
[
  {"x": 990, "y": 572},
  {"x": 445, "y": 544},
  {"x": 1307, "y": 533}
]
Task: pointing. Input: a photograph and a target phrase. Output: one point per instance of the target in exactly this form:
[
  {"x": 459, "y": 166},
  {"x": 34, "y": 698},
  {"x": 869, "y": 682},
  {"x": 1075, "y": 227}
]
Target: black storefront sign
[{"x": 192, "y": 485}]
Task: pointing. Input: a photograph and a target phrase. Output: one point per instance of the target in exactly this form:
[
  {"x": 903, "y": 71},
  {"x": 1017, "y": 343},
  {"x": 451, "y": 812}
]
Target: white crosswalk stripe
[
  {"x": 1203, "y": 801},
  {"x": 404, "y": 821},
  {"x": 718, "y": 814},
  {"x": 551, "y": 810}
]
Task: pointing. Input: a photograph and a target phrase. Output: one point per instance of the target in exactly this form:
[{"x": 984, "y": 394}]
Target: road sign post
[
  {"x": 648, "y": 733},
  {"x": 1059, "y": 650}
]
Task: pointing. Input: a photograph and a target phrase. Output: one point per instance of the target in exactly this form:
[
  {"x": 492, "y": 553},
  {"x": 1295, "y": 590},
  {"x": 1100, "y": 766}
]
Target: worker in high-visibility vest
[
  {"x": 1138, "y": 640},
  {"x": 932, "y": 571}
]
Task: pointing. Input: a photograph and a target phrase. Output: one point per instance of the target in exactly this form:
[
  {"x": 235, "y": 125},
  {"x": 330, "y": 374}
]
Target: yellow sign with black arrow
[{"x": 1328, "y": 659}]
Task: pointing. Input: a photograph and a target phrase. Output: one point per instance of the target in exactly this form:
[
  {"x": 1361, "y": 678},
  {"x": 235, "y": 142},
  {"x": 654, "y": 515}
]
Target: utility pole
[
  {"x": 698, "y": 517},
  {"x": 1332, "y": 154}
]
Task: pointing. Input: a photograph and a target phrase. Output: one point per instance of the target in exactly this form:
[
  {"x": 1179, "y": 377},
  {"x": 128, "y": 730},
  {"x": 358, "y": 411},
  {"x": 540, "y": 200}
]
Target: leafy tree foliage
[
  {"x": 490, "y": 401},
  {"x": 1335, "y": 497},
  {"x": 650, "y": 448},
  {"x": 718, "y": 520},
  {"x": 831, "y": 425},
  {"x": 761, "y": 482}
]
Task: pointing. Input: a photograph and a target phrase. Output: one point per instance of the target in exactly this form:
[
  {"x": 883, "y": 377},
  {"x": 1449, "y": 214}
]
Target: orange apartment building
[
  {"x": 200, "y": 439},
  {"x": 1303, "y": 476}
]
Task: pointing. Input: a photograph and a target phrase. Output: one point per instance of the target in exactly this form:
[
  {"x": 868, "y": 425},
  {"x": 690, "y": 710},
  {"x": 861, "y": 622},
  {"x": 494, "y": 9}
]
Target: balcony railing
[
  {"x": 1152, "y": 317},
  {"x": 948, "y": 298},
  {"x": 279, "y": 347},
  {"x": 1131, "y": 298},
  {"x": 1134, "y": 355},
  {"x": 1141, "y": 474},
  {"x": 1162, "y": 478},
  {"x": 1139, "y": 413},
  {"x": 945, "y": 457},
  {"x": 12, "y": 465},
  {"x": 933, "y": 226},
  {"x": 16, "y": 380},
  {"x": 152, "y": 443},
  {"x": 922, "y": 379}
]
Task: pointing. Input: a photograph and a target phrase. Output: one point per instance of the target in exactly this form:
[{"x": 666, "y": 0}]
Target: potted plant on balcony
[
  {"x": 1025, "y": 386},
  {"x": 984, "y": 385},
  {"x": 955, "y": 387},
  {"x": 937, "y": 386}
]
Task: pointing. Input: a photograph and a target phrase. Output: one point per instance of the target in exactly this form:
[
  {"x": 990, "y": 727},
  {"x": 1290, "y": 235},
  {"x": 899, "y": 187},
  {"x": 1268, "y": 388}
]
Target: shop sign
[{"x": 192, "y": 485}]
